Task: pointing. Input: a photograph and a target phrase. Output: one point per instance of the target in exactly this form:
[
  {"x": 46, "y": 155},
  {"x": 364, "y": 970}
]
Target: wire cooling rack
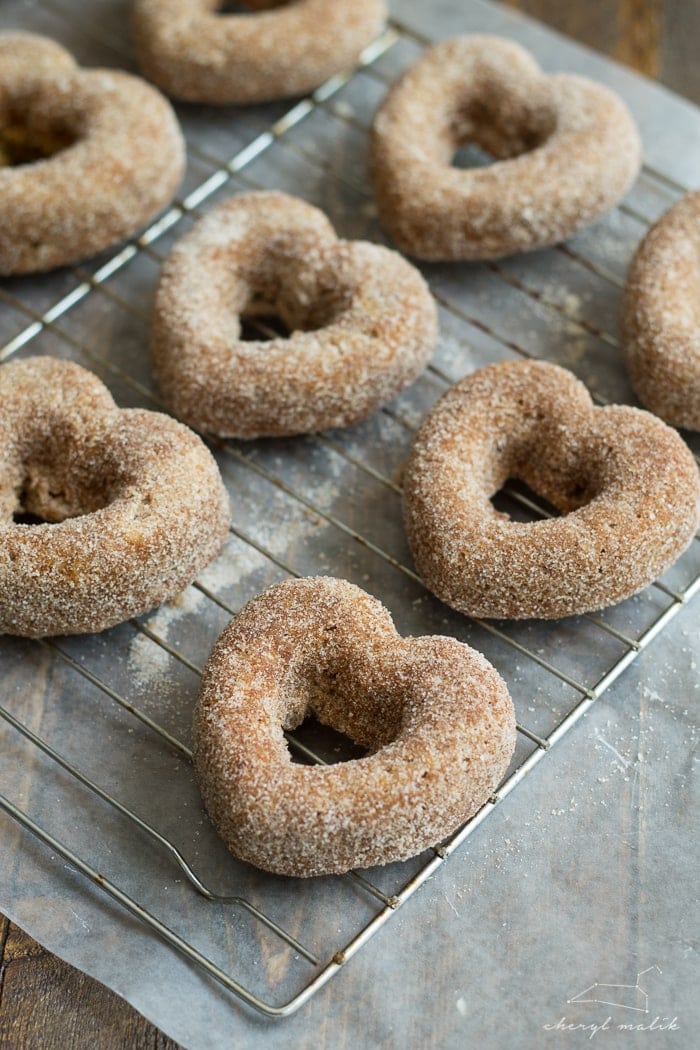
[{"x": 325, "y": 503}]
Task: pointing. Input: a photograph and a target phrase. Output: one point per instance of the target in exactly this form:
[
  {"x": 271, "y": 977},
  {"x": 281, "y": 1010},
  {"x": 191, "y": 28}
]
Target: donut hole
[
  {"x": 329, "y": 744},
  {"x": 267, "y": 317},
  {"x": 551, "y": 493},
  {"x": 341, "y": 709},
  {"x": 535, "y": 467},
  {"x": 49, "y": 494},
  {"x": 505, "y": 125},
  {"x": 263, "y": 326},
  {"x": 512, "y": 499},
  {"x": 471, "y": 156},
  {"x": 251, "y": 7},
  {"x": 24, "y": 517},
  {"x": 64, "y": 476},
  {"x": 26, "y": 139}
]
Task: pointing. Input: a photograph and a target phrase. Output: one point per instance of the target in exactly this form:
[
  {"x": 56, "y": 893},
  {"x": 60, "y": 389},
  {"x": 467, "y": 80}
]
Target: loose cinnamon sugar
[
  {"x": 362, "y": 319},
  {"x": 132, "y": 503},
  {"x": 435, "y": 715},
  {"x": 88, "y": 155},
  {"x": 566, "y": 150},
  {"x": 626, "y": 484},
  {"x": 661, "y": 316}
]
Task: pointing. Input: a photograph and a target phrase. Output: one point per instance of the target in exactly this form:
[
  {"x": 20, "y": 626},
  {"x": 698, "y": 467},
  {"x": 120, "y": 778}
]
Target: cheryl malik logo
[
  {"x": 626, "y": 996},
  {"x": 632, "y": 998}
]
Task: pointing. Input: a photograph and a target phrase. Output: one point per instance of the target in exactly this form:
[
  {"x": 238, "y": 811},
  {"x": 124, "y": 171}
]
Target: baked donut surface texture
[
  {"x": 565, "y": 151},
  {"x": 362, "y": 321},
  {"x": 275, "y": 50},
  {"x": 625, "y": 483},
  {"x": 661, "y": 316},
  {"x": 87, "y": 156},
  {"x": 435, "y": 716},
  {"x": 130, "y": 503}
]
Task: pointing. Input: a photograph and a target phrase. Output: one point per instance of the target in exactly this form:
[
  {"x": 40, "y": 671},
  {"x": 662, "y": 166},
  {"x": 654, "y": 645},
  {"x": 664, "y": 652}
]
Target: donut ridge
[
  {"x": 566, "y": 150},
  {"x": 436, "y": 717},
  {"x": 106, "y": 149},
  {"x": 362, "y": 321},
  {"x": 130, "y": 502},
  {"x": 661, "y": 316},
  {"x": 277, "y": 51},
  {"x": 626, "y": 485}
]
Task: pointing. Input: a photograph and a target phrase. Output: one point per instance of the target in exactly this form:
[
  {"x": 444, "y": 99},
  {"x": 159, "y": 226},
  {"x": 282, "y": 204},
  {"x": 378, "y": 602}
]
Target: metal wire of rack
[{"x": 215, "y": 174}]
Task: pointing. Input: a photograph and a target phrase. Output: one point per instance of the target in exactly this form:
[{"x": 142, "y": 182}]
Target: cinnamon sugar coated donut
[
  {"x": 433, "y": 713},
  {"x": 661, "y": 316},
  {"x": 362, "y": 321},
  {"x": 276, "y": 50},
  {"x": 566, "y": 150},
  {"x": 131, "y": 503},
  {"x": 86, "y": 155},
  {"x": 626, "y": 485}
]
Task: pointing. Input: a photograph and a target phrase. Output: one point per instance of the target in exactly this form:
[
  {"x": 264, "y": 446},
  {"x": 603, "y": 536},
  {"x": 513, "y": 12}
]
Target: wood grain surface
[
  {"x": 43, "y": 1001},
  {"x": 657, "y": 37}
]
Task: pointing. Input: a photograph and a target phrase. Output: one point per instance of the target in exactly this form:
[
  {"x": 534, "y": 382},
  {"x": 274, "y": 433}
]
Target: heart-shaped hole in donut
[
  {"x": 277, "y": 314},
  {"x": 322, "y": 709},
  {"x": 66, "y": 473},
  {"x": 251, "y": 7},
  {"x": 326, "y": 743},
  {"x": 471, "y": 156},
  {"x": 26, "y": 138},
  {"x": 50, "y": 494},
  {"x": 264, "y": 318},
  {"x": 507, "y": 124},
  {"x": 25, "y": 517},
  {"x": 263, "y": 327},
  {"x": 530, "y": 465},
  {"x": 512, "y": 499}
]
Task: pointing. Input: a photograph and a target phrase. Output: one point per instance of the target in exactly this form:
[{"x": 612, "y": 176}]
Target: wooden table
[{"x": 43, "y": 1001}]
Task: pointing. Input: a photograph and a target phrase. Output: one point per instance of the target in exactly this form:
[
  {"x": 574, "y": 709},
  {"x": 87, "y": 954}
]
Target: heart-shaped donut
[
  {"x": 362, "y": 322},
  {"x": 435, "y": 716},
  {"x": 279, "y": 49},
  {"x": 661, "y": 316},
  {"x": 626, "y": 484},
  {"x": 86, "y": 155},
  {"x": 566, "y": 149},
  {"x": 130, "y": 504}
]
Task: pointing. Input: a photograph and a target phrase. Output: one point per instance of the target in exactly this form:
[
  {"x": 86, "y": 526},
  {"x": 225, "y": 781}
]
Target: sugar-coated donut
[
  {"x": 626, "y": 485},
  {"x": 661, "y": 316},
  {"x": 131, "y": 503},
  {"x": 280, "y": 49},
  {"x": 436, "y": 717},
  {"x": 362, "y": 321},
  {"x": 566, "y": 149},
  {"x": 86, "y": 155}
]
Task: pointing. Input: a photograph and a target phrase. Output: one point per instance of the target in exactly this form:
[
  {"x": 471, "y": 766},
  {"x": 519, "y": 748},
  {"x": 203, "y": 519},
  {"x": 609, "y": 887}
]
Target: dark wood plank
[
  {"x": 656, "y": 37},
  {"x": 628, "y": 30},
  {"x": 593, "y": 23},
  {"x": 680, "y": 32},
  {"x": 639, "y": 35},
  {"x": 45, "y": 1002}
]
